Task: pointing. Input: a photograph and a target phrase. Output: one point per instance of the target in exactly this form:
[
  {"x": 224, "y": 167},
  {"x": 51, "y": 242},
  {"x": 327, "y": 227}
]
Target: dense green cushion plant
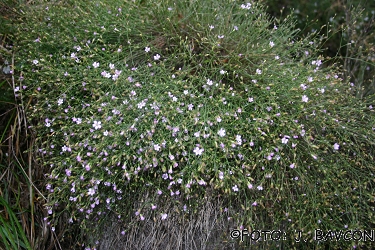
[{"x": 176, "y": 99}]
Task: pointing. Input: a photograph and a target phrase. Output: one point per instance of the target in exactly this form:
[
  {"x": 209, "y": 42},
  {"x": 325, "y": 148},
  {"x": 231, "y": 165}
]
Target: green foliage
[
  {"x": 349, "y": 32},
  {"x": 11, "y": 231},
  {"x": 12, "y": 234},
  {"x": 178, "y": 99}
]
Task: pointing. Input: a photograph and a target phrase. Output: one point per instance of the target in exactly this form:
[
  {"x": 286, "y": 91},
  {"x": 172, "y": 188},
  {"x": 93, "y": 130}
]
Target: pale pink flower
[
  {"x": 95, "y": 64},
  {"x": 305, "y": 98},
  {"x": 198, "y": 151},
  {"x": 221, "y": 132}
]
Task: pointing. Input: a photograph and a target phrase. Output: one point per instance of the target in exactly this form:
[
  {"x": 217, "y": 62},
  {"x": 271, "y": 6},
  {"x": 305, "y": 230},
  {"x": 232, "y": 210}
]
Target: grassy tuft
[{"x": 11, "y": 231}]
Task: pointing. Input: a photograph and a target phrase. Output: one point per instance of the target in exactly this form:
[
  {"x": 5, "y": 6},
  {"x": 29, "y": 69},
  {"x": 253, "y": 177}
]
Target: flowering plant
[{"x": 188, "y": 101}]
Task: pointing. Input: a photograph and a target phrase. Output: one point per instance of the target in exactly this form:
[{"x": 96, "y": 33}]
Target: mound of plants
[{"x": 181, "y": 100}]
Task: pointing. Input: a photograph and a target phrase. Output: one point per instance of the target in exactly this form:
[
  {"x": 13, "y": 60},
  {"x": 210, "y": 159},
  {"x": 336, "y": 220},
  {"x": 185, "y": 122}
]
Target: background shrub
[{"x": 348, "y": 28}]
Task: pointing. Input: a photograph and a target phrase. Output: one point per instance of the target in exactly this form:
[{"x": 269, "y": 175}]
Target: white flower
[
  {"x": 235, "y": 188},
  {"x": 114, "y": 77},
  {"x": 284, "y": 140},
  {"x": 164, "y": 216},
  {"x": 141, "y": 104},
  {"x": 247, "y": 6},
  {"x": 91, "y": 191},
  {"x": 35, "y": 62},
  {"x": 60, "y": 101},
  {"x": 238, "y": 139},
  {"x": 147, "y": 49},
  {"x": 259, "y": 188},
  {"x": 222, "y": 72},
  {"x": 221, "y": 175},
  {"x": 95, "y": 64},
  {"x": 156, "y": 147},
  {"x": 105, "y": 133},
  {"x": 221, "y": 132},
  {"x": 305, "y": 98},
  {"x": 272, "y": 44},
  {"x": 209, "y": 82},
  {"x": 202, "y": 182},
  {"x": 111, "y": 66},
  {"x": 336, "y": 146},
  {"x": 317, "y": 63},
  {"x": 97, "y": 124},
  {"x": 258, "y": 71},
  {"x": 156, "y": 57},
  {"x": 198, "y": 151}
]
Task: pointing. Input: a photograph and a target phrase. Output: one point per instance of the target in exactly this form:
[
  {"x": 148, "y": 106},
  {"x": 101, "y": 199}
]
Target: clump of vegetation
[
  {"x": 184, "y": 100},
  {"x": 348, "y": 28},
  {"x": 17, "y": 210}
]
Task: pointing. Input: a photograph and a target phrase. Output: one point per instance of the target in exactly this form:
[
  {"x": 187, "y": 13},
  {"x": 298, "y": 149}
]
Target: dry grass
[{"x": 208, "y": 228}]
